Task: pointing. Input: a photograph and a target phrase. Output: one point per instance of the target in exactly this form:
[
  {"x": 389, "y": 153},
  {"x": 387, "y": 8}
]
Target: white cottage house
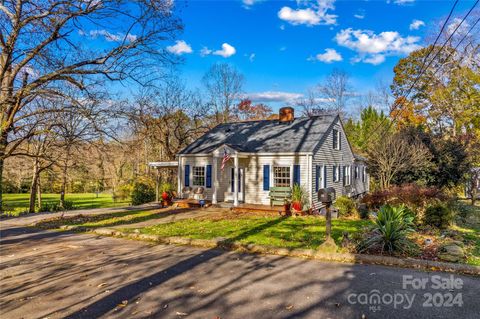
[{"x": 311, "y": 151}]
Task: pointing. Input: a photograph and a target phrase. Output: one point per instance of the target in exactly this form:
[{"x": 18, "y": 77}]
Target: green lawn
[
  {"x": 16, "y": 203},
  {"x": 103, "y": 220},
  {"x": 291, "y": 232}
]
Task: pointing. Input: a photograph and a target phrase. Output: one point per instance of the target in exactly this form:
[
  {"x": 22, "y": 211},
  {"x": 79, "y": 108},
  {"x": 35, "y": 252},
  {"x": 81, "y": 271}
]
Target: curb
[{"x": 225, "y": 244}]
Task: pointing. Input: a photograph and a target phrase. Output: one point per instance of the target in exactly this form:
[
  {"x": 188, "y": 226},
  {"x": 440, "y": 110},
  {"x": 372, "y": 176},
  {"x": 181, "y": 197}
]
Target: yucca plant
[{"x": 391, "y": 227}]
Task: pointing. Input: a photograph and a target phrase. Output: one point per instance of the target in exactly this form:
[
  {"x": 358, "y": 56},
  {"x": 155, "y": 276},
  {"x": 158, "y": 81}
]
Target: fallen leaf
[
  {"x": 165, "y": 306},
  {"x": 102, "y": 284},
  {"x": 289, "y": 307},
  {"x": 123, "y": 304},
  {"x": 181, "y": 313}
]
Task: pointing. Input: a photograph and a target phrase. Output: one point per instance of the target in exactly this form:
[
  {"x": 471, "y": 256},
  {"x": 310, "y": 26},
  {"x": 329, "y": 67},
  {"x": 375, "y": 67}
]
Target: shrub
[
  {"x": 142, "y": 193},
  {"x": 415, "y": 197},
  {"x": 438, "y": 215},
  {"x": 363, "y": 211},
  {"x": 389, "y": 233},
  {"x": 346, "y": 206},
  {"x": 68, "y": 205},
  {"x": 123, "y": 191}
]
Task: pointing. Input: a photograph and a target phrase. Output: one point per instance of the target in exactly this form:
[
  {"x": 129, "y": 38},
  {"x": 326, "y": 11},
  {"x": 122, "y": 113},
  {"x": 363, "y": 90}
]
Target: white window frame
[
  {"x": 364, "y": 174},
  {"x": 348, "y": 175},
  {"x": 336, "y": 174},
  {"x": 337, "y": 139},
  {"x": 290, "y": 169},
  {"x": 194, "y": 169}
]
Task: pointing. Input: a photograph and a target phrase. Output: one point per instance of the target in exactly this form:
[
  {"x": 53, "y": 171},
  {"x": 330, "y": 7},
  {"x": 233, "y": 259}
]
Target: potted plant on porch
[
  {"x": 298, "y": 198},
  {"x": 167, "y": 190}
]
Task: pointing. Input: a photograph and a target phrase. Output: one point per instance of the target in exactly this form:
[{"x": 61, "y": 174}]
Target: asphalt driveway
[{"x": 46, "y": 274}]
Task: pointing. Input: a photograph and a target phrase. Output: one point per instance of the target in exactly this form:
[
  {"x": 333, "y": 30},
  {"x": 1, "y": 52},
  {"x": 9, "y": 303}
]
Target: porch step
[{"x": 254, "y": 208}]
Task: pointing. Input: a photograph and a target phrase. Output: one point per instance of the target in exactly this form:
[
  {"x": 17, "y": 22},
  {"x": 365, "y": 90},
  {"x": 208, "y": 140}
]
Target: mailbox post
[{"x": 326, "y": 197}]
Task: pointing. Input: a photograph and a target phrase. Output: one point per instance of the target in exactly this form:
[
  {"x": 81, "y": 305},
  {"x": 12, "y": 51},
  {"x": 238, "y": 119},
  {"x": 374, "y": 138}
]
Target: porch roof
[
  {"x": 163, "y": 164},
  {"x": 266, "y": 136}
]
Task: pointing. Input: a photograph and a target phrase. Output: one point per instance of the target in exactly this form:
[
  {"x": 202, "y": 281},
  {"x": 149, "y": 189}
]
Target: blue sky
[{"x": 288, "y": 46}]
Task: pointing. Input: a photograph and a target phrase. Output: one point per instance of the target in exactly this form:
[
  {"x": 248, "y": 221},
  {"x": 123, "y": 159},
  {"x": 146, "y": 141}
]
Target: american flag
[{"x": 225, "y": 159}]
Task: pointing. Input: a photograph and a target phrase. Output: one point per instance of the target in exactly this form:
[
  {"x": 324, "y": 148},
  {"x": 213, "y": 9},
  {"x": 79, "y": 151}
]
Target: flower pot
[
  {"x": 297, "y": 206},
  {"x": 165, "y": 196}
]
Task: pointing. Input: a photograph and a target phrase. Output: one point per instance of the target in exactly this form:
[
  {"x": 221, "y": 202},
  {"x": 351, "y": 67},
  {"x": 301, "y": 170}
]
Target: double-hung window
[
  {"x": 348, "y": 175},
  {"x": 281, "y": 176},
  {"x": 356, "y": 171},
  {"x": 198, "y": 176},
  {"x": 336, "y": 139},
  {"x": 336, "y": 173}
]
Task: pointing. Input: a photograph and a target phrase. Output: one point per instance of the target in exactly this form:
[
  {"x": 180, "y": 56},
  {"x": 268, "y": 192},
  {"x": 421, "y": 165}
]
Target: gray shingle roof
[{"x": 268, "y": 136}]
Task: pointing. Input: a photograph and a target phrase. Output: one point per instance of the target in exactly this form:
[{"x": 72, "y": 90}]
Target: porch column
[
  {"x": 215, "y": 180},
  {"x": 235, "y": 181}
]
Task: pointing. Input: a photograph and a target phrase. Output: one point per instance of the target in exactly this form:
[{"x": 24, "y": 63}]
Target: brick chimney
[{"x": 286, "y": 114}]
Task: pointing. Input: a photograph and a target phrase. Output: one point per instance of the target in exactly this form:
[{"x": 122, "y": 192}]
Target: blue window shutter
[
  {"x": 334, "y": 173},
  {"x": 317, "y": 177},
  {"x": 344, "y": 175},
  {"x": 232, "y": 180},
  {"x": 266, "y": 177},
  {"x": 325, "y": 176},
  {"x": 296, "y": 174},
  {"x": 187, "y": 175},
  {"x": 208, "y": 182}
]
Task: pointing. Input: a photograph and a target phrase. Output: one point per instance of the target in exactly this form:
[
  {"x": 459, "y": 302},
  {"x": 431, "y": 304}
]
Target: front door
[{"x": 241, "y": 185}]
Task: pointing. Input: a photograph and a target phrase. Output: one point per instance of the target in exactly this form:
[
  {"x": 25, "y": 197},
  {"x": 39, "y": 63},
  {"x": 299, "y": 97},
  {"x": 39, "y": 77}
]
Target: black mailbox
[{"x": 326, "y": 195}]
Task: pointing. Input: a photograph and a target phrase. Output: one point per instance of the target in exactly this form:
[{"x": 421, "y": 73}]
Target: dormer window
[{"x": 336, "y": 140}]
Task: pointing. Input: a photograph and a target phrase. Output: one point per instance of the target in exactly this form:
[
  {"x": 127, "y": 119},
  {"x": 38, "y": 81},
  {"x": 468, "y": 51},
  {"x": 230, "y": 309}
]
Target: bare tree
[
  {"x": 392, "y": 155},
  {"x": 332, "y": 95},
  {"x": 41, "y": 49},
  {"x": 224, "y": 86},
  {"x": 74, "y": 130}
]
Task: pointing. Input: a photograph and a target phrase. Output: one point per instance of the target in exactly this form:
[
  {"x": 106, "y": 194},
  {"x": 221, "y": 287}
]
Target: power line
[
  {"x": 423, "y": 68},
  {"x": 433, "y": 59}
]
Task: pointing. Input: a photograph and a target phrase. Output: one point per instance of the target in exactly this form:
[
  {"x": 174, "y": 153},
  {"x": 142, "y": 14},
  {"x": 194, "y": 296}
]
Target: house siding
[
  {"x": 253, "y": 174},
  {"x": 326, "y": 155},
  {"x": 254, "y": 193}
]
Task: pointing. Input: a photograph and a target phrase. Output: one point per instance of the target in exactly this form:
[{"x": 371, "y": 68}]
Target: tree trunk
[
  {"x": 33, "y": 188},
  {"x": 39, "y": 192},
  {"x": 3, "y": 148},
  {"x": 64, "y": 179}
]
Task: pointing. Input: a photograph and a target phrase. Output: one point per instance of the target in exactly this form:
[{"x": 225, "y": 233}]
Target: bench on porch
[{"x": 278, "y": 195}]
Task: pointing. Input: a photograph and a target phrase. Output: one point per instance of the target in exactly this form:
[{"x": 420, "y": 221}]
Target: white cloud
[
  {"x": 455, "y": 23},
  {"x": 205, "y": 51},
  {"x": 110, "y": 37},
  {"x": 180, "y": 47},
  {"x": 226, "y": 51},
  {"x": 371, "y": 47},
  {"x": 403, "y": 2},
  {"x": 251, "y": 57},
  {"x": 247, "y": 4},
  {"x": 310, "y": 14},
  {"x": 330, "y": 55},
  {"x": 273, "y": 96},
  {"x": 359, "y": 16},
  {"x": 416, "y": 24},
  {"x": 375, "y": 59}
]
